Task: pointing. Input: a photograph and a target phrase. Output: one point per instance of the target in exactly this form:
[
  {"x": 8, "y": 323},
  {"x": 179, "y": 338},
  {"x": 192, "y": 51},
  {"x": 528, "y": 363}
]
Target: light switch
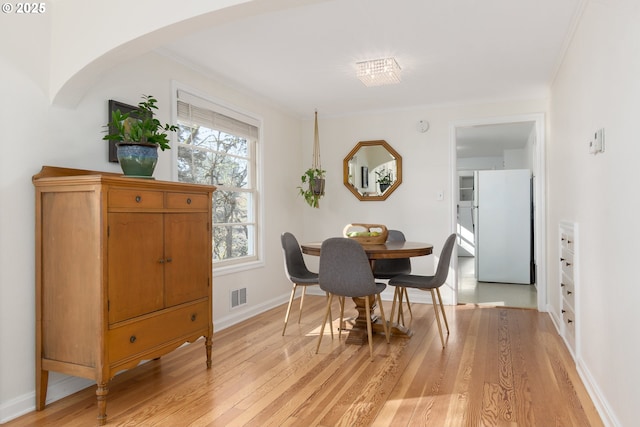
[{"x": 596, "y": 145}]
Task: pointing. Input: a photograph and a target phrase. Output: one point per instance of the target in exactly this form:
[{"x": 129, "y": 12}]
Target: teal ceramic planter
[{"x": 137, "y": 160}]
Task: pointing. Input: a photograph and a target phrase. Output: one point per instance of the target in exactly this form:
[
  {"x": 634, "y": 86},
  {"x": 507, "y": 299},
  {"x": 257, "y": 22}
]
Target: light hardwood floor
[{"x": 501, "y": 367}]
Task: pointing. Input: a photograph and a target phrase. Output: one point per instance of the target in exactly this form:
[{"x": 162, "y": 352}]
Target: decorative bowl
[{"x": 366, "y": 234}]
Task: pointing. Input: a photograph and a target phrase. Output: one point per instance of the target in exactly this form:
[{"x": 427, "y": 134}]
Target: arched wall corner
[{"x": 111, "y": 37}]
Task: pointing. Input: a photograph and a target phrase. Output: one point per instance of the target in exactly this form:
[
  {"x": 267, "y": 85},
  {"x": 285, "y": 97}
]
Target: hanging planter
[
  {"x": 312, "y": 188},
  {"x": 384, "y": 179},
  {"x": 313, "y": 180},
  {"x": 317, "y": 184}
]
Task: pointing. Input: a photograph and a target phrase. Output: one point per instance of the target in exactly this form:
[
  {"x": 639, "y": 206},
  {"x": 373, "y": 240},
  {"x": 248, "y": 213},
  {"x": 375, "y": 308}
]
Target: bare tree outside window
[{"x": 210, "y": 156}]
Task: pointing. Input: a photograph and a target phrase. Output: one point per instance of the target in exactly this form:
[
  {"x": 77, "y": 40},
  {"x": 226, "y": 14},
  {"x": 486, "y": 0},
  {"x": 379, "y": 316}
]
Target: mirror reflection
[{"x": 372, "y": 170}]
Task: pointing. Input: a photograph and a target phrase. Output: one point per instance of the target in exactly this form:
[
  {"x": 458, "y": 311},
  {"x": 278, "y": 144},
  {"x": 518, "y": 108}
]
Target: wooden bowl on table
[{"x": 366, "y": 234}]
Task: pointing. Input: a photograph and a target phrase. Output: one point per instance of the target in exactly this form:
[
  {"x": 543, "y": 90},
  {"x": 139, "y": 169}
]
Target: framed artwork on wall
[{"x": 124, "y": 109}]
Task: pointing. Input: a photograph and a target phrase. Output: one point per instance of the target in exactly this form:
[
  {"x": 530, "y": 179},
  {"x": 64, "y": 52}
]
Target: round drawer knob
[
  {"x": 138, "y": 199},
  {"x": 132, "y": 339},
  {"x": 193, "y": 317},
  {"x": 189, "y": 201}
]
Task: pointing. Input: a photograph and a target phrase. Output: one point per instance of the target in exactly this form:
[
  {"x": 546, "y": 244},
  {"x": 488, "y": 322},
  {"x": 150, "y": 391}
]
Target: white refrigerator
[{"x": 503, "y": 226}]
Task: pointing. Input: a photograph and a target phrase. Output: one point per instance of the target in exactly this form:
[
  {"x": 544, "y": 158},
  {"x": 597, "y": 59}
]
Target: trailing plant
[
  {"x": 312, "y": 188},
  {"x": 384, "y": 177},
  {"x": 140, "y": 126}
]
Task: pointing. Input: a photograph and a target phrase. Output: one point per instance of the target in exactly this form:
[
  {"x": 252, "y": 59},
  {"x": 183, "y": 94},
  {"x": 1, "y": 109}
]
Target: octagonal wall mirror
[{"x": 372, "y": 170}]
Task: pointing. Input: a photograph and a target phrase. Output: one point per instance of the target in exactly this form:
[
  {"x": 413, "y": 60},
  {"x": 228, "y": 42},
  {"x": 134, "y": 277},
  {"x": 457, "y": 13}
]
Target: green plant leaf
[
  {"x": 142, "y": 127},
  {"x": 306, "y": 191}
]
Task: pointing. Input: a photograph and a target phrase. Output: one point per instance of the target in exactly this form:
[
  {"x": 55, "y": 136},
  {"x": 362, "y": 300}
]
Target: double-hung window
[{"x": 217, "y": 146}]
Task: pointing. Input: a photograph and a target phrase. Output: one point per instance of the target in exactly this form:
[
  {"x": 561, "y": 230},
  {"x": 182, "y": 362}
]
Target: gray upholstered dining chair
[
  {"x": 296, "y": 271},
  {"x": 387, "y": 268},
  {"x": 345, "y": 271},
  {"x": 431, "y": 283}
]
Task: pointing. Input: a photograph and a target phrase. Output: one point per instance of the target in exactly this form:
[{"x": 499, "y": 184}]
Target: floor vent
[{"x": 238, "y": 297}]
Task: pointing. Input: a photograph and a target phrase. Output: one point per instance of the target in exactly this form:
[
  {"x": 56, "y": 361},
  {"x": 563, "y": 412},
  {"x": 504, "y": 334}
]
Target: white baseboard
[
  {"x": 241, "y": 313},
  {"x": 598, "y": 399},
  {"x": 602, "y": 406},
  {"x": 555, "y": 319},
  {"x": 58, "y": 388}
]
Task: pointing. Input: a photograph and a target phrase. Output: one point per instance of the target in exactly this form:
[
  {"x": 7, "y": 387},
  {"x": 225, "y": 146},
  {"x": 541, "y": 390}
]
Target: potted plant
[
  {"x": 138, "y": 137},
  {"x": 384, "y": 179},
  {"x": 312, "y": 188}
]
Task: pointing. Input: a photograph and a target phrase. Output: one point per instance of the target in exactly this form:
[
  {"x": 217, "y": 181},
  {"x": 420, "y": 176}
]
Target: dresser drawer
[
  {"x": 187, "y": 201},
  {"x": 566, "y": 261},
  {"x": 568, "y": 293},
  {"x": 141, "y": 336},
  {"x": 563, "y": 240},
  {"x": 566, "y": 241},
  {"x": 136, "y": 199},
  {"x": 569, "y": 318},
  {"x": 565, "y": 279}
]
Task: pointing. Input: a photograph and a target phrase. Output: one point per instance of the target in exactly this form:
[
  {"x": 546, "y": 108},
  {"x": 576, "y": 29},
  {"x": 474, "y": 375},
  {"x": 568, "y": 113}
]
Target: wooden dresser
[{"x": 123, "y": 273}]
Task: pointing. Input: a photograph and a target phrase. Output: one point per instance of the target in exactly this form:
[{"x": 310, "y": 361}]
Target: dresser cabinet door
[
  {"x": 136, "y": 264},
  {"x": 188, "y": 248}
]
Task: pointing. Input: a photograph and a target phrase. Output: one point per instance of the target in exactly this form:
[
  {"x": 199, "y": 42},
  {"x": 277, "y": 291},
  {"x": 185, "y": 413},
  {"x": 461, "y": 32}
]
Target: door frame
[{"x": 539, "y": 194}]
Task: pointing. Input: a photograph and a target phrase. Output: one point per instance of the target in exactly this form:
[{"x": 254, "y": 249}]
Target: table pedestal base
[{"x": 358, "y": 329}]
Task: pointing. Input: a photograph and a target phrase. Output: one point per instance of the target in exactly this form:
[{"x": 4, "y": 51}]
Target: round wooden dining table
[{"x": 388, "y": 250}]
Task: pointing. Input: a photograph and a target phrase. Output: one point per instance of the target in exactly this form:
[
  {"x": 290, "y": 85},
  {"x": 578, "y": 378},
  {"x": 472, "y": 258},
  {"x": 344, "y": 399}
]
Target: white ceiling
[{"x": 302, "y": 58}]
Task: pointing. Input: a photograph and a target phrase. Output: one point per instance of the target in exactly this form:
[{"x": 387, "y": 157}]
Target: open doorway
[{"x": 499, "y": 243}]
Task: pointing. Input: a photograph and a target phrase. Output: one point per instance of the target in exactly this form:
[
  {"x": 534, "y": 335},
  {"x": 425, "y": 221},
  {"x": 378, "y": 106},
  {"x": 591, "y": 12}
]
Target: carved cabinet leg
[
  {"x": 101, "y": 395},
  {"x": 208, "y": 346}
]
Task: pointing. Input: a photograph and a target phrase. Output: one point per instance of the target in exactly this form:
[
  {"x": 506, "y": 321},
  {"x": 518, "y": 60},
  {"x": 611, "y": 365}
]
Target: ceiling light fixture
[{"x": 378, "y": 72}]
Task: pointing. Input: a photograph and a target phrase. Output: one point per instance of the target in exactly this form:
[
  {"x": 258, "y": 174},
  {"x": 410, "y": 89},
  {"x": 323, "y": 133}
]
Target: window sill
[{"x": 236, "y": 268}]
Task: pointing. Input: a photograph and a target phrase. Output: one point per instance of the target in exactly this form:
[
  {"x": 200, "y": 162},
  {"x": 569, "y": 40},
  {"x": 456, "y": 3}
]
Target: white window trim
[{"x": 231, "y": 268}]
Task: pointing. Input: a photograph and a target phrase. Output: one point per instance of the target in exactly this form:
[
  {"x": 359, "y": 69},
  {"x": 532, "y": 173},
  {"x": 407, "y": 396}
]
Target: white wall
[
  {"x": 477, "y": 163},
  {"x": 516, "y": 159},
  {"x": 511, "y": 159},
  {"x": 598, "y": 86},
  {"x": 24, "y": 119}
]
